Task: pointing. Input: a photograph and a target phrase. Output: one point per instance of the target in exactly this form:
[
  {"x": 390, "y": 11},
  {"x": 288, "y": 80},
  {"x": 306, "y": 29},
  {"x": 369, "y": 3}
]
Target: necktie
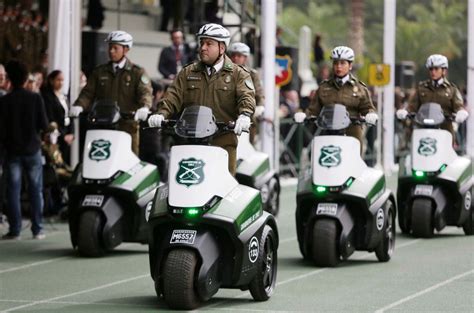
[
  {"x": 177, "y": 54},
  {"x": 116, "y": 68},
  {"x": 339, "y": 81},
  {"x": 212, "y": 71}
]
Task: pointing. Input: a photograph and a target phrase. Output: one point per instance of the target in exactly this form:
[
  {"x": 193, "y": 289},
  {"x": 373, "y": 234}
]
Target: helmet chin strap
[{"x": 219, "y": 57}]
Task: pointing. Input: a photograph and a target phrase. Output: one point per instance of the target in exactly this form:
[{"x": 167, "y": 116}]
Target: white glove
[
  {"x": 141, "y": 114},
  {"x": 299, "y": 117},
  {"x": 242, "y": 124},
  {"x": 461, "y": 116},
  {"x": 259, "y": 109},
  {"x": 371, "y": 118},
  {"x": 75, "y": 111},
  {"x": 402, "y": 114},
  {"x": 155, "y": 120}
]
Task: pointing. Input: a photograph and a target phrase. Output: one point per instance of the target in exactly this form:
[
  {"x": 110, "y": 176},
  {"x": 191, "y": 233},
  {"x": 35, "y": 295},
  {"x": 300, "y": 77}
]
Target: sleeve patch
[
  {"x": 249, "y": 84},
  {"x": 144, "y": 79}
]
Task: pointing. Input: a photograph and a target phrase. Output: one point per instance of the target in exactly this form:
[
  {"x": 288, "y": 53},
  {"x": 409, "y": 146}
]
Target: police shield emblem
[
  {"x": 427, "y": 146},
  {"x": 100, "y": 150},
  {"x": 330, "y": 156},
  {"x": 191, "y": 172},
  {"x": 283, "y": 72}
]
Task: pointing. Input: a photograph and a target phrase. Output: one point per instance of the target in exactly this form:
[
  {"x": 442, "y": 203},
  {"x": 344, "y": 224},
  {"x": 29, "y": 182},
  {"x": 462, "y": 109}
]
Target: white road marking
[
  {"x": 77, "y": 293},
  {"x": 32, "y": 264},
  {"x": 288, "y": 239},
  {"x": 314, "y": 272},
  {"x": 424, "y": 291}
]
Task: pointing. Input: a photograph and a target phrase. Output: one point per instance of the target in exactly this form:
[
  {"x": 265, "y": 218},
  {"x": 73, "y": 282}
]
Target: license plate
[
  {"x": 423, "y": 190},
  {"x": 183, "y": 236},
  {"x": 93, "y": 200},
  {"x": 327, "y": 209}
]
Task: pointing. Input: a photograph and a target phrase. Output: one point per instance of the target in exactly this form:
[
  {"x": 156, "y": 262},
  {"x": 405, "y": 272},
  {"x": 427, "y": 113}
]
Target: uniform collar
[
  {"x": 440, "y": 82},
  {"x": 349, "y": 78},
  {"x": 123, "y": 64},
  {"x": 227, "y": 65}
]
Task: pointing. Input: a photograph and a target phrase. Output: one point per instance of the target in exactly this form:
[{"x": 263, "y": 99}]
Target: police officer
[
  {"x": 344, "y": 88},
  {"x": 439, "y": 90},
  {"x": 216, "y": 82},
  {"x": 119, "y": 80},
  {"x": 239, "y": 53}
]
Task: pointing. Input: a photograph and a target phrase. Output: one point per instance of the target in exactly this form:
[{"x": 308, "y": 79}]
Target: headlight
[{"x": 148, "y": 208}]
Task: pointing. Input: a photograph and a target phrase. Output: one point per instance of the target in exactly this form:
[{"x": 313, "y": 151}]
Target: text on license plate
[
  {"x": 183, "y": 236},
  {"x": 423, "y": 190},
  {"x": 327, "y": 208},
  {"x": 93, "y": 200}
]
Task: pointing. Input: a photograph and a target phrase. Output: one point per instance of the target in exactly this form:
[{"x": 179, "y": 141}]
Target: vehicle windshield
[
  {"x": 104, "y": 112},
  {"x": 429, "y": 114},
  {"x": 196, "y": 122},
  {"x": 333, "y": 117}
]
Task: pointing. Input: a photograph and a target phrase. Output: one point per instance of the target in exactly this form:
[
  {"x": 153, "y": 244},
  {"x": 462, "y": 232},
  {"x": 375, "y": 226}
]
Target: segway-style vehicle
[
  {"x": 110, "y": 188},
  {"x": 253, "y": 170},
  {"x": 207, "y": 231},
  {"x": 435, "y": 185},
  {"x": 342, "y": 204}
]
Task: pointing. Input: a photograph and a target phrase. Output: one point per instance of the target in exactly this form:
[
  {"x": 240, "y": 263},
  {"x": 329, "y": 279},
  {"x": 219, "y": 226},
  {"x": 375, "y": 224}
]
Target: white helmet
[
  {"x": 120, "y": 37},
  {"x": 214, "y": 31},
  {"x": 239, "y": 47},
  {"x": 342, "y": 53},
  {"x": 437, "y": 60}
]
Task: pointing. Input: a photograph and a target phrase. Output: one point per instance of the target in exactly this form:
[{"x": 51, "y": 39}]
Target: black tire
[
  {"x": 179, "y": 273},
  {"x": 386, "y": 246},
  {"x": 402, "y": 222},
  {"x": 468, "y": 225},
  {"x": 422, "y": 218},
  {"x": 263, "y": 284},
  {"x": 273, "y": 203},
  {"x": 324, "y": 250},
  {"x": 89, "y": 239}
]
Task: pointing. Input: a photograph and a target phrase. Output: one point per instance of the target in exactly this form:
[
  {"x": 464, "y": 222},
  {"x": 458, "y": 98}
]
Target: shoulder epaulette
[{"x": 244, "y": 68}]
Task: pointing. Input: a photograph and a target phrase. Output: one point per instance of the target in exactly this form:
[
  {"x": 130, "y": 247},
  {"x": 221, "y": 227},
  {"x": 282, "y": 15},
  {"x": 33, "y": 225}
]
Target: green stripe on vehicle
[
  {"x": 148, "y": 184},
  {"x": 121, "y": 179}
]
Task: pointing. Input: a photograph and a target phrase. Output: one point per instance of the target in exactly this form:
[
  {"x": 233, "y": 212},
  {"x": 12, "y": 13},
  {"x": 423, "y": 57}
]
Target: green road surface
[{"x": 424, "y": 275}]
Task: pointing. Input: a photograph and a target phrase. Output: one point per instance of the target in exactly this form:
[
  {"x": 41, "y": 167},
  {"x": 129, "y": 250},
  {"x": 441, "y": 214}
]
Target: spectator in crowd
[
  {"x": 278, "y": 35},
  {"x": 318, "y": 50},
  {"x": 39, "y": 75},
  {"x": 31, "y": 84},
  {"x": 57, "y": 109},
  {"x": 174, "y": 57},
  {"x": 122, "y": 81},
  {"x": 324, "y": 73},
  {"x": 22, "y": 118},
  {"x": 3, "y": 91},
  {"x": 56, "y": 173},
  {"x": 23, "y": 35},
  {"x": 4, "y": 84}
]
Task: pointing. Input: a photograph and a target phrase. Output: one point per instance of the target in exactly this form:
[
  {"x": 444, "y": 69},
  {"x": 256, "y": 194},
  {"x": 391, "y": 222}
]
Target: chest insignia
[
  {"x": 227, "y": 79},
  {"x": 193, "y": 77},
  {"x": 355, "y": 89}
]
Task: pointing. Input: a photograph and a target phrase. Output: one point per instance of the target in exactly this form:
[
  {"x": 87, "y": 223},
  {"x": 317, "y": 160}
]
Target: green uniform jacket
[
  {"x": 130, "y": 87},
  {"x": 447, "y": 95},
  {"x": 229, "y": 93},
  {"x": 353, "y": 94},
  {"x": 259, "y": 96}
]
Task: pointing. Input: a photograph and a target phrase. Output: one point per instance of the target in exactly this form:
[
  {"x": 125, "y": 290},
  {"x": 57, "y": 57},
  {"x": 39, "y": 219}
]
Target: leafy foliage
[{"x": 424, "y": 27}]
